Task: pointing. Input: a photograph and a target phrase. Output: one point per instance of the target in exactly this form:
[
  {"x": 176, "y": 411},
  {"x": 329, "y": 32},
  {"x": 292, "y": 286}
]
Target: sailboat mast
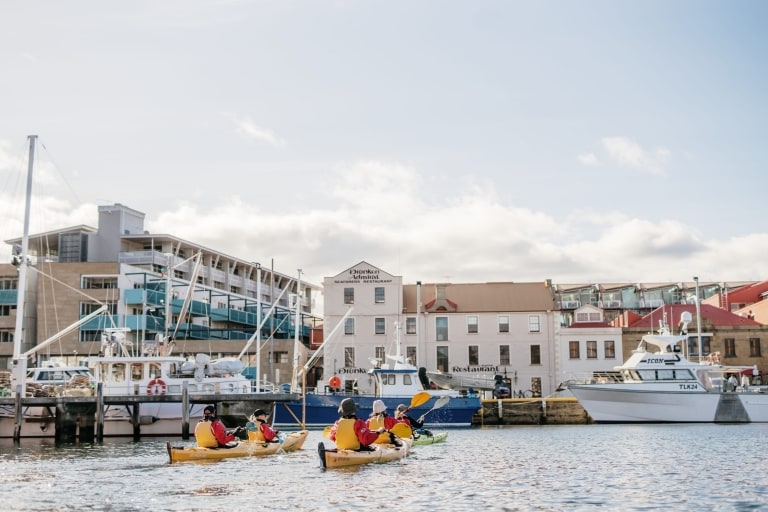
[{"x": 18, "y": 334}]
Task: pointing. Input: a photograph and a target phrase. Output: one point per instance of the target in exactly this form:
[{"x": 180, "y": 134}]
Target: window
[
  {"x": 610, "y": 349},
  {"x": 378, "y": 293},
  {"x": 280, "y": 357},
  {"x": 380, "y": 325},
  {"x": 410, "y": 355},
  {"x": 349, "y": 357},
  {"x": 754, "y": 347},
  {"x": 380, "y": 354},
  {"x": 9, "y": 284},
  {"x": 474, "y": 355},
  {"x": 441, "y": 329},
  {"x": 6, "y": 336},
  {"x": 573, "y": 350},
  {"x": 730, "y": 347},
  {"x": 535, "y": 354},
  {"x": 472, "y": 324},
  {"x": 98, "y": 282},
  {"x": 87, "y": 308},
  {"x": 693, "y": 345},
  {"x": 503, "y": 323},
  {"x": 349, "y": 295},
  {"x": 5, "y": 310},
  {"x": 504, "y": 355},
  {"x": 442, "y": 358},
  {"x": 591, "y": 349},
  {"x": 349, "y": 326},
  {"x": 534, "y": 323},
  {"x": 410, "y": 325}
]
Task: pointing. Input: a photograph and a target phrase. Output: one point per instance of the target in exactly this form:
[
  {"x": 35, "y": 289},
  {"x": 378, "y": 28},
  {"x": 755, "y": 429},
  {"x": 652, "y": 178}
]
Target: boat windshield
[{"x": 664, "y": 374}]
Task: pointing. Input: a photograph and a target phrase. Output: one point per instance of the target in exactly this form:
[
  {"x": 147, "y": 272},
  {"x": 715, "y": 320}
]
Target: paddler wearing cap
[
  {"x": 210, "y": 432},
  {"x": 259, "y": 429},
  {"x": 350, "y": 432},
  {"x": 380, "y": 419}
]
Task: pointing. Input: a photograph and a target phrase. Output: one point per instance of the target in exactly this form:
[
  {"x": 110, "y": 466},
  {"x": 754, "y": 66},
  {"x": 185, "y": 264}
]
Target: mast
[
  {"x": 698, "y": 316},
  {"x": 18, "y": 335},
  {"x": 297, "y": 324}
]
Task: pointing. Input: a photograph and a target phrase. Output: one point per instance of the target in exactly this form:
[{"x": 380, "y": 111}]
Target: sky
[{"x": 442, "y": 141}]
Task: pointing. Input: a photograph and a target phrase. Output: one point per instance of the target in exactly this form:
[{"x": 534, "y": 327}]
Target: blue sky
[{"x": 578, "y": 141}]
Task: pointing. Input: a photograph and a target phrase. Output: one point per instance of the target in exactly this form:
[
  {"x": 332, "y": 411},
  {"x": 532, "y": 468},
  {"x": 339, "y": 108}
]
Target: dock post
[
  {"x": 185, "y": 410},
  {"x": 100, "y": 412},
  {"x": 136, "y": 420},
  {"x": 18, "y": 414}
]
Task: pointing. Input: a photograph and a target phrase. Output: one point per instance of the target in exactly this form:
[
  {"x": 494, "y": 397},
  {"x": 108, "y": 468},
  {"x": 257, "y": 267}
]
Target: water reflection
[{"x": 580, "y": 467}]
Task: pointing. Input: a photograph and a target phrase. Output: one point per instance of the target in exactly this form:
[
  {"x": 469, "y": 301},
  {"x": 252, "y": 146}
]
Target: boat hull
[
  {"x": 292, "y": 442},
  {"x": 323, "y": 409},
  {"x": 433, "y": 438},
  {"x": 614, "y": 404},
  {"x": 335, "y": 458}
]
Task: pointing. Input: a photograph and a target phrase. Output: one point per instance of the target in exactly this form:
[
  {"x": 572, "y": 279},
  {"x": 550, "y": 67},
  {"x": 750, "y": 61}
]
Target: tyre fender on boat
[{"x": 156, "y": 387}]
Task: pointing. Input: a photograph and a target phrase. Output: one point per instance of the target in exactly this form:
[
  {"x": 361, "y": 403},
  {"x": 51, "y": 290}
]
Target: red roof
[
  {"x": 717, "y": 316},
  {"x": 748, "y": 294}
]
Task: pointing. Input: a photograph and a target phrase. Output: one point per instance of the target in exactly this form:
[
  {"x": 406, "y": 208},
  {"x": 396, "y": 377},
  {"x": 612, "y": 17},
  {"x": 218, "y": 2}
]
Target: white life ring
[{"x": 156, "y": 387}]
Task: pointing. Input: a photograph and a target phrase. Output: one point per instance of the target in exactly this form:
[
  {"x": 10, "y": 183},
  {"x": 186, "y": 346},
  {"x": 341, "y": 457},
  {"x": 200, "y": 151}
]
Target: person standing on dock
[{"x": 210, "y": 432}]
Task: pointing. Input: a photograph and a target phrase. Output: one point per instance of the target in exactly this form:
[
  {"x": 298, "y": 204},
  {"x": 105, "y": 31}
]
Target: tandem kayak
[
  {"x": 292, "y": 442},
  {"x": 430, "y": 437},
  {"x": 335, "y": 458}
]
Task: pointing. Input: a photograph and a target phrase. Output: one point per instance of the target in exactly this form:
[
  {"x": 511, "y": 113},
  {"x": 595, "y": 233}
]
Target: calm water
[{"x": 575, "y": 467}]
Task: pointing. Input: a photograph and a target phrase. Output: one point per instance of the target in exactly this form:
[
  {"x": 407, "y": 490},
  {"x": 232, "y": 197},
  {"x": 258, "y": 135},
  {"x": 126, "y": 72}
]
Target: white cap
[{"x": 378, "y": 406}]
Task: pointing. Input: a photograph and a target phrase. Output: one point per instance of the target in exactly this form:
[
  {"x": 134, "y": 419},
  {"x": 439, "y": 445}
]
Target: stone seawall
[{"x": 532, "y": 411}]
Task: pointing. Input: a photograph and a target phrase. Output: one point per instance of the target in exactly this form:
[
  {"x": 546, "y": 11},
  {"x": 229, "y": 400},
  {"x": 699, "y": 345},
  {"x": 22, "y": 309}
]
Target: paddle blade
[
  {"x": 420, "y": 398},
  {"x": 401, "y": 430},
  {"x": 441, "y": 402}
]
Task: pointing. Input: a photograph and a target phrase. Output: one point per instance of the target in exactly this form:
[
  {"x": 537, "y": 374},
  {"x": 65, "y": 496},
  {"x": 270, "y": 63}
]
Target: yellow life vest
[
  {"x": 254, "y": 432},
  {"x": 204, "y": 435},
  {"x": 375, "y": 423},
  {"x": 346, "y": 439}
]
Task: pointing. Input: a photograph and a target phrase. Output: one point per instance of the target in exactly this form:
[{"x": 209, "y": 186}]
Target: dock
[
  {"x": 82, "y": 417},
  {"x": 532, "y": 411}
]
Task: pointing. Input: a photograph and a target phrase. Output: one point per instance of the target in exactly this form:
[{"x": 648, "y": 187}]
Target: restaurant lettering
[
  {"x": 363, "y": 276},
  {"x": 473, "y": 369}
]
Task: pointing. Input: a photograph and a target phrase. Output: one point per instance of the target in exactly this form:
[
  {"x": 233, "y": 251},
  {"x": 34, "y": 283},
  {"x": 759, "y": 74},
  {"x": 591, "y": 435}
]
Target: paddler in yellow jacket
[
  {"x": 350, "y": 432},
  {"x": 381, "y": 420},
  {"x": 210, "y": 432}
]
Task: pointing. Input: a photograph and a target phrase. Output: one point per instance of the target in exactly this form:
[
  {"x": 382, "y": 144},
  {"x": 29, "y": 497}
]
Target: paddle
[{"x": 440, "y": 402}]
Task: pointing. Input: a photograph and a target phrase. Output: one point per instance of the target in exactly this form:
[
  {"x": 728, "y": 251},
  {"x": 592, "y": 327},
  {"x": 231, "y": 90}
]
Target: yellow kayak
[
  {"x": 335, "y": 458},
  {"x": 292, "y": 442}
]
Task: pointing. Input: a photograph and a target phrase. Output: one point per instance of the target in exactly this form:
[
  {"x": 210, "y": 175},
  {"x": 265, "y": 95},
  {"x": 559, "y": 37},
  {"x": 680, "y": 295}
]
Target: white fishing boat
[{"x": 658, "y": 384}]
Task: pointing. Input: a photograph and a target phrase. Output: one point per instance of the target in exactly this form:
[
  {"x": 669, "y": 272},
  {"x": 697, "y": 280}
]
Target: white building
[
  {"x": 587, "y": 347},
  {"x": 490, "y": 328}
]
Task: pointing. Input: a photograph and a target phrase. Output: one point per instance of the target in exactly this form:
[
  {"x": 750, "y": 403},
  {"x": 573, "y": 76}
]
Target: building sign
[
  {"x": 352, "y": 371},
  {"x": 363, "y": 276},
  {"x": 474, "y": 369}
]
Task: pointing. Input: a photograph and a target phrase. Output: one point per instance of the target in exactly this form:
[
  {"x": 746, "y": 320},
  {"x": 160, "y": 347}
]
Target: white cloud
[
  {"x": 249, "y": 129},
  {"x": 377, "y": 212},
  {"x": 588, "y": 160},
  {"x": 627, "y": 152}
]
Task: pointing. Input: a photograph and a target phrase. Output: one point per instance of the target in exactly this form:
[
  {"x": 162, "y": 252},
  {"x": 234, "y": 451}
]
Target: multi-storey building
[
  {"x": 493, "y": 328},
  {"x": 159, "y": 287}
]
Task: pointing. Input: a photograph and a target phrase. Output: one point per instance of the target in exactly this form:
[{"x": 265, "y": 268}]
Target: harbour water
[{"x": 573, "y": 467}]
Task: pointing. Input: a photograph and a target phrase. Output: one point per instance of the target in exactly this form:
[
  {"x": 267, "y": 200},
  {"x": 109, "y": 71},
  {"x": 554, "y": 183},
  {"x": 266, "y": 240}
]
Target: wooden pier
[{"x": 82, "y": 417}]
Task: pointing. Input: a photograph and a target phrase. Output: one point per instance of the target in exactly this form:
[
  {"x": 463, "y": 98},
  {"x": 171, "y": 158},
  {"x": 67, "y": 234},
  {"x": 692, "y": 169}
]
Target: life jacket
[
  {"x": 204, "y": 435},
  {"x": 346, "y": 438},
  {"x": 254, "y": 432},
  {"x": 376, "y": 422}
]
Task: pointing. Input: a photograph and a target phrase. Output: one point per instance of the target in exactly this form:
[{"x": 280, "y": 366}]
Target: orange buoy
[
  {"x": 156, "y": 387},
  {"x": 335, "y": 382}
]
